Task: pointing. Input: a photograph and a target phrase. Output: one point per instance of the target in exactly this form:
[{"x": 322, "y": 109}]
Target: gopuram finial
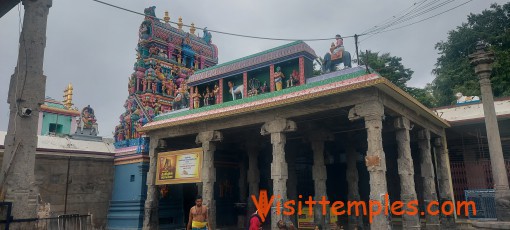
[
  {"x": 192, "y": 29},
  {"x": 68, "y": 96},
  {"x": 179, "y": 24},
  {"x": 167, "y": 17}
]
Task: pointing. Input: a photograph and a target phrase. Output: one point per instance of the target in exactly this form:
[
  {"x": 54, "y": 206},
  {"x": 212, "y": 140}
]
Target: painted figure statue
[
  {"x": 207, "y": 36},
  {"x": 196, "y": 98},
  {"x": 336, "y": 56},
  {"x": 216, "y": 92},
  {"x": 293, "y": 79},
  {"x": 87, "y": 119},
  {"x": 278, "y": 79},
  {"x": 263, "y": 88},
  {"x": 235, "y": 90},
  {"x": 181, "y": 99},
  {"x": 254, "y": 84},
  {"x": 208, "y": 97},
  {"x": 461, "y": 99}
]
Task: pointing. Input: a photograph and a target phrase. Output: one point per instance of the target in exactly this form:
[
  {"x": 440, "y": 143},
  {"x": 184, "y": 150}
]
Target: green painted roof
[{"x": 250, "y": 56}]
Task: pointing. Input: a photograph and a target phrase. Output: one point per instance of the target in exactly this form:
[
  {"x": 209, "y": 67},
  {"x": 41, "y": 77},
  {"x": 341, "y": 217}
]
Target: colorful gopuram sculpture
[{"x": 166, "y": 57}]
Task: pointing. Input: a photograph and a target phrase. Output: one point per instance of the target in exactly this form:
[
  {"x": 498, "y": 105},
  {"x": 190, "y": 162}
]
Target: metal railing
[
  {"x": 62, "y": 222},
  {"x": 462, "y": 180}
]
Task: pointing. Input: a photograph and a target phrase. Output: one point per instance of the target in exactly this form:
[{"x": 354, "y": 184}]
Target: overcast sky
[{"x": 93, "y": 46}]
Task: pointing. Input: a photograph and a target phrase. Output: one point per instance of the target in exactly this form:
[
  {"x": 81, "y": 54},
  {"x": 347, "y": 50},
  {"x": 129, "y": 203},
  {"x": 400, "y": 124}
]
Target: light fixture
[{"x": 26, "y": 112}]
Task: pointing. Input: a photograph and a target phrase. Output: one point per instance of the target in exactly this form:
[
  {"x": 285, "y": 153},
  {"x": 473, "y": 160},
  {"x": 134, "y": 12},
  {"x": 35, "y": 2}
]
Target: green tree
[
  {"x": 424, "y": 95},
  {"x": 453, "y": 70},
  {"x": 317, "y": 66},
  {"x": 391, "y": 68}
]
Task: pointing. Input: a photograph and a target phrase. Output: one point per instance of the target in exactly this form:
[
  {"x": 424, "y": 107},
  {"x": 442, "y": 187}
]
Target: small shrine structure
[
  {"x": 265, "y": 72},
  {"x": 56, "y": 118}
]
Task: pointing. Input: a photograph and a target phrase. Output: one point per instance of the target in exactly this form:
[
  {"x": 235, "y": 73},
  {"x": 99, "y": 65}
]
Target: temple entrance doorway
[{"x": 190, "y": 193}]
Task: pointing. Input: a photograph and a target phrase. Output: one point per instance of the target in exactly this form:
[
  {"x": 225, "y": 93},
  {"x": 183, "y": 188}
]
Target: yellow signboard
[
  {"x": 306, "y": 221},
  {"x": 179, "y": 167}
]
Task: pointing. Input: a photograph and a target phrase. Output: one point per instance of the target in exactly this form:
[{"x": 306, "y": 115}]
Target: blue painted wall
[{"x": 128, "y": 198}]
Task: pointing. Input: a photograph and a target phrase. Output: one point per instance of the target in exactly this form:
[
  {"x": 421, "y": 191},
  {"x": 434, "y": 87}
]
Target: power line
[
  {"x": 388, "y": 20},
  {"x": 417, "y": 9},
  {"x": 373, "y": 34},
  {"x": 411, "y": 17},
  {"x": 222, "y": 32},
  {"x": 414, "y": 14}
]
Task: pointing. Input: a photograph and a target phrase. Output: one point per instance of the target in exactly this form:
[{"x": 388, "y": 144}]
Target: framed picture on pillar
[{"x": 179, "y": 167}]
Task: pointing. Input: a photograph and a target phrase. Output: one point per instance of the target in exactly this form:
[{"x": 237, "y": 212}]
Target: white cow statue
[
  {"x": 236, "y": 90},
  {"x": 461, "y": 99}
]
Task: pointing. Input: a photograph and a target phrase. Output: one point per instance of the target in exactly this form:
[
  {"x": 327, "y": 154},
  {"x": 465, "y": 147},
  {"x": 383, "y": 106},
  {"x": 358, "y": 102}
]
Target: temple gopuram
[{"x": 166, "y": 57}]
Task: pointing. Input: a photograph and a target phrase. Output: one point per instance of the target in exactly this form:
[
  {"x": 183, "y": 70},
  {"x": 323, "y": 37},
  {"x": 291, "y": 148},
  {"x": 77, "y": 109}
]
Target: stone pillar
[
  {"x": 279, "y": 172},
  {"x": 319, "y": 173},
  {"x": 372, "y": 112},
  {"x": 406, "y": 171},
  {"x": 199, "y": 189},
  {"x": 482, "y": 61},
  {"x": 151, "y": 215},
  {"x": 253, "y": 174},
  {"x": 444, "y": 179},
  {"x": 427, "y": 173},
  {"x": 245, "y": 83},
  {"x": 271, "y": 78},
  {"x": 191, "y": 103},
  {"x": 26, "y": 90},
  {"x": 352, "y": 183},
  {"x": 208, "y": 139},
  {"x": 221, "y": 90},
  {"x": 302, "y": 71},
  {"x": 292, "y": 181}
]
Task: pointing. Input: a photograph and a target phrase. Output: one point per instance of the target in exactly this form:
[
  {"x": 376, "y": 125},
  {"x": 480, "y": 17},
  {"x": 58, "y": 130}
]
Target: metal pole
[
  {"x": 366, "y": 63},
  {"x": 357, "y": 53}
]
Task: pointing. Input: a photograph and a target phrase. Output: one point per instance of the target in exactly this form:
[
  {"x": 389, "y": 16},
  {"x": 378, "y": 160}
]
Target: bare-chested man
[{"x": 198, "y": 216}]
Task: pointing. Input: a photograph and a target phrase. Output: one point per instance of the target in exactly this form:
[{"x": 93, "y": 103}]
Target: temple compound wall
[
  {"x": 73, "y": 177},
  {"x": 469, "y": 147}
]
